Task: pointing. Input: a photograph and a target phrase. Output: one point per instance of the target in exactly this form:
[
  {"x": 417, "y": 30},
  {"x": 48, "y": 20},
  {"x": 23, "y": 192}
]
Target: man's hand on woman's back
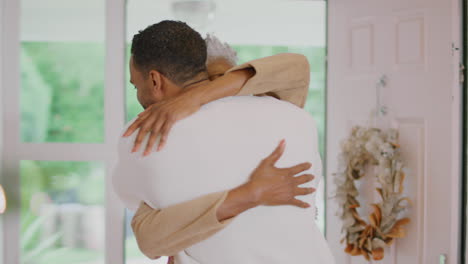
[
  {"x": 268, "y": 185},
  {"x": 279, "y": 186}
]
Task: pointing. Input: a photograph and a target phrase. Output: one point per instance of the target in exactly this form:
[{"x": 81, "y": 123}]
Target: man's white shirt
[{"x": 217, "y": 149}]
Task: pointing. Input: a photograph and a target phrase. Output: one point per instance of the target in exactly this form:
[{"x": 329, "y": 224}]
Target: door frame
[
  {"x": 13, "y": 150},
  {"x": 464, "y": 154},
  {"x": 458, "y": 170}
]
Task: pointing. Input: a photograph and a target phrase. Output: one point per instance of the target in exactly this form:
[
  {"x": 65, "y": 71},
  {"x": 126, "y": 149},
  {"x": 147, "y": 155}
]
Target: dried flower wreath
[{"x": 371, "y": 146}]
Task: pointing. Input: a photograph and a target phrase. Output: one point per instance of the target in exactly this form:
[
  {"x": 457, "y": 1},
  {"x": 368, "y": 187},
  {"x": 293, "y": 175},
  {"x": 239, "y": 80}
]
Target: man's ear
[{"x": 156, "y": 83}]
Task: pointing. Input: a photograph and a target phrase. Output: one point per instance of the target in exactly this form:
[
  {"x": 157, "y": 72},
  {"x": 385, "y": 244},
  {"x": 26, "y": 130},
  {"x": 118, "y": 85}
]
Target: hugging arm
[
  {"x": 163, "y": 232},
  {"x": 167, "y": 231},
  {"x": 285, "y": 76}
]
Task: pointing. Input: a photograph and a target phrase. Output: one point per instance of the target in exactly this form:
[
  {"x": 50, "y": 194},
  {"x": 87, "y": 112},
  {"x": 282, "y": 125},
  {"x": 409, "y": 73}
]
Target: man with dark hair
[
  {"x": 168, "y": 53},
  {"x": 166, "y": 68},
  {"x": 174, "y": 49}
]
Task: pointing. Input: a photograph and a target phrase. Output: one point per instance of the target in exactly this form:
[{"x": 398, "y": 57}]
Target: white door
[{"x": 409, "y": 42}]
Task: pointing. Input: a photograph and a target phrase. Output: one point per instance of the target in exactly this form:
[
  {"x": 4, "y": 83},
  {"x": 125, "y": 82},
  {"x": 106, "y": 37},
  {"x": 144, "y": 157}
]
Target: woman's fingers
[
  {"x": 145, "y": 128},
  {"x": 165, "y": 134},
  {"x": 138, "y": 122},
  {"x": 134, "y": 126},
  {"x": 150, "y": 144},
  {"x": 161, "y": 125},
  {"x": 156, "y": 123}
]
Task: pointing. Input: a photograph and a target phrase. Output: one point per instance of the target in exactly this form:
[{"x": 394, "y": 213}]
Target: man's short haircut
[{"x": 172, "y": 48}]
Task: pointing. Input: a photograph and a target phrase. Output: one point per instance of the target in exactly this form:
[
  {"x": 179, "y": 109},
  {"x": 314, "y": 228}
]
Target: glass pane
[
  {"x": 62, "y": 212},
  {"x": 283, "y": 26},
  {"x": 62, "y": 71}
]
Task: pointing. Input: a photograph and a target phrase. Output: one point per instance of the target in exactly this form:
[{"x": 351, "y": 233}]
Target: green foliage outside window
[
  {"x": 62, "y": 92},
  {"x": 61, "y": 101}
]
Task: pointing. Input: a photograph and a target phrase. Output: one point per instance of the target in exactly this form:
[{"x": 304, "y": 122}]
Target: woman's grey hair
[{"x": 216, "y": 49}]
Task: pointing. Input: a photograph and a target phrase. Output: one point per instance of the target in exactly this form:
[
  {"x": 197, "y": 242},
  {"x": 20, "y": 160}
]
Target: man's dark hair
[{"x": 172, "y": 48}]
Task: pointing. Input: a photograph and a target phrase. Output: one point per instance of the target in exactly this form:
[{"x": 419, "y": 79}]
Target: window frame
[{"x": 13, "y": 150}]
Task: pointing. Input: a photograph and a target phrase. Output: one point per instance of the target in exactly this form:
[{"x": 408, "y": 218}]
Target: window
[
  {"x": 62, "y": 71},
  {"x": 55, "y": 157},
  {"x": 62, "y": 212},
  {"x": 297, "y": 27},
  {"x": 64, "y": 99}
]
